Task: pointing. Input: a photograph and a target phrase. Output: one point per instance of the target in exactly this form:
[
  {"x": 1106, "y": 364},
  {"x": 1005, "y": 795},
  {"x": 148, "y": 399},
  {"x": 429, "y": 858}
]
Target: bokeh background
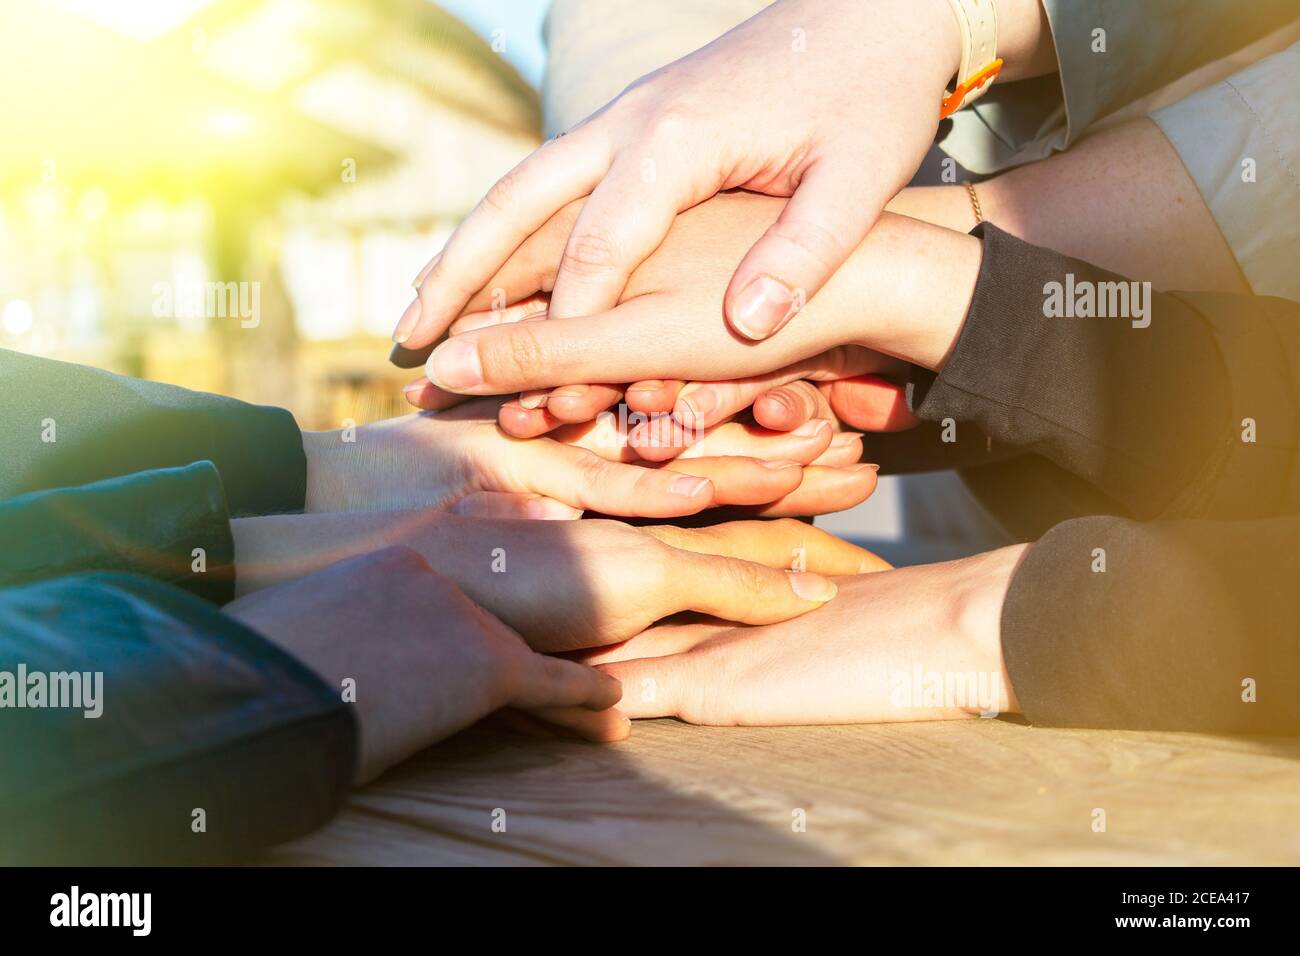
[{"x": 163, "y": 158}]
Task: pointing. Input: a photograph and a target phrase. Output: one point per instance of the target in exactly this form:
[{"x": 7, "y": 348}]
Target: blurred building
[{"x": 234, "y": 195}]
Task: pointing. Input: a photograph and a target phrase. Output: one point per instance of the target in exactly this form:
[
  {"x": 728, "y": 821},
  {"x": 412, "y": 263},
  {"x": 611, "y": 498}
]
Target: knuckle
[
  {"x": 589, "y": 252},
  {"x": 745, "y": 577},
  {"x": 501, "y": 197},
  {"x": 841, "y": 360},
  {"x": 671, "y": 536},
  {"x": 812, "y": 241},
  {"x": 514, "y": 355},
  {"x": 592, "y": 472},
  {"x": 805, "y": 393},
  {"x": 661, "y": 577},
  {"x": 673, "y": 122}
]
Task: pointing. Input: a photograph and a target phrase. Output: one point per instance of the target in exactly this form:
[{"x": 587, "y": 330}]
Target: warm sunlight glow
[
  {"x": 228, "y": 123},
  {"x": 17, "y": 318},
  {"x": 138, "y": 19}
]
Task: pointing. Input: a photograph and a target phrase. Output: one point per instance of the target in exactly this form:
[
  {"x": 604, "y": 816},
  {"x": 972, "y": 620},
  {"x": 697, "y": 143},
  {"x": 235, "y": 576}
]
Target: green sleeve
[
  {"x": 170, "y": 525},
  {"x": 156, "y": 705},
  {"x": 67, "y": 425}
]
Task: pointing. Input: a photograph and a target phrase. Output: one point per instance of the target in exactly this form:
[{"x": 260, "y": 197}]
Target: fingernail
[
  {"x": 406, "y": 324},
  {"x": 696, "y": 405},
  {"x": 865, "y": 466},
  {"x": 413, "y": 391},
  {"x": 779, "y": 465},
  {"x": 534, "y": 399},
  {"x": 809, "y": 428},
  {"x": 845, "y": 438},
  {"x": 571, "y": 391},
  {"x": 455, "y": 365},
  {"x": 762, "y": 307},
  {"x": 647, "y": 386},
  {"x": 812, "y": 587},
  {"x": 688, "y": 486},
  {"x": 403, "y": 357}
]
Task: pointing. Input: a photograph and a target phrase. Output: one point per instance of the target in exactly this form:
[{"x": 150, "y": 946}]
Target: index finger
[{"x": 641, "y": 339}]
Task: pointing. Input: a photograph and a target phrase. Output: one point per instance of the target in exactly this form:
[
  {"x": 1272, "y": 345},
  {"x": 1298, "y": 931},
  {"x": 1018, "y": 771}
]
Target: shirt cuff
[
  {"x": 1156, "y": 626},
  {"x": 1248, "y": 172}
]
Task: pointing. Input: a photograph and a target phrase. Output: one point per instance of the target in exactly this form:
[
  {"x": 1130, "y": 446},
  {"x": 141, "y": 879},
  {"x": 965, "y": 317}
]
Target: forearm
[
  {"x": 1120, "y": 199},
  {"x": 591, "y": 58},
  {"x": 274, "y": 549},
  {"x": 398, "y": 463},
  {"x": 1025, "y": 43},
  {"x": 909, "y": 286}
]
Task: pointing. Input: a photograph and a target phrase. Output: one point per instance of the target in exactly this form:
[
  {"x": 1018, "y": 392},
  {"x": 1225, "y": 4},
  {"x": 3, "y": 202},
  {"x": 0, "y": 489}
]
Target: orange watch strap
[{"x": 952, "y": 101}]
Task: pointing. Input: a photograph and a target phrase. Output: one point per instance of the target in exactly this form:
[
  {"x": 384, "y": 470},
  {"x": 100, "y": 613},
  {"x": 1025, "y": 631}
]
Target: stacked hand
[
  {"x": 575, "y": 584},
  {"x": 901, "y": 297},
  {"x": 422, "y": 659},
  {"x": 461, "y": 462},
  {"x": 615, "y": 254},
  {"x": 764, "y": 108},
  {"x": 918, "y": 643}
]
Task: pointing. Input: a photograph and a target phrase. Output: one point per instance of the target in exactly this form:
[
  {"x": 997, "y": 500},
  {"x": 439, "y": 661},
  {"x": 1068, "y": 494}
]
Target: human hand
[
  {"x": 459, "y": 461},
  {"x": 565, "y": 585},
  {"x": 425, "y": 659},
  {"x": 846, "y": 386},
  {"x": 832, "y": 103},
  {"x": 855, "y": 379},
  {"x": 904, "y": 292},
  {"x": 570, "y": 585},
  {"x": 834, "y": 477},
  {"x": 918, "y": 643}
]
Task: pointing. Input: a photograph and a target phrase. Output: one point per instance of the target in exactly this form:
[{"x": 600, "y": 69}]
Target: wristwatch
[{"x": 978, "y": 22}]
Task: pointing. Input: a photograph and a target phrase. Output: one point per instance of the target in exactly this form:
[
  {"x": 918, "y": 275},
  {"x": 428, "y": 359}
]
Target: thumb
[
  {"x": 871, "y": 404},
  {"x": 819, "y": 228}
]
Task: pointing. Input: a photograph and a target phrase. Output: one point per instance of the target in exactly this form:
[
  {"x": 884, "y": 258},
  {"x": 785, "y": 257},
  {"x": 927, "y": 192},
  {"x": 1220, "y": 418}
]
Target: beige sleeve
[{"x": 595, "y": 48}]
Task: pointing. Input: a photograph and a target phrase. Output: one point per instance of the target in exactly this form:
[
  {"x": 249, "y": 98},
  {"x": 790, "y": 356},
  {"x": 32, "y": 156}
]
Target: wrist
[
  {"x": 942, "y": 36},
  {"x": 273, "y": 549},
  {"x": 976, "y": 614},
  {"x": 398, "y": 464},
  {"x": 920, "y": 280},
  {"x": 329, "y": 458},
  {"x": 948, "y": 206},
  {"x": 1025, "y": 41}
]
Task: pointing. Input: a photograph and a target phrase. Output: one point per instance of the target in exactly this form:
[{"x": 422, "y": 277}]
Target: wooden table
[{"x": 979, "y": 791}]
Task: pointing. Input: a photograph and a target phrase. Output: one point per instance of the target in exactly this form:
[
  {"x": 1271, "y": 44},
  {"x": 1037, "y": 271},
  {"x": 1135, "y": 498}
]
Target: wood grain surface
[{"x": 978, "y": 791}]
